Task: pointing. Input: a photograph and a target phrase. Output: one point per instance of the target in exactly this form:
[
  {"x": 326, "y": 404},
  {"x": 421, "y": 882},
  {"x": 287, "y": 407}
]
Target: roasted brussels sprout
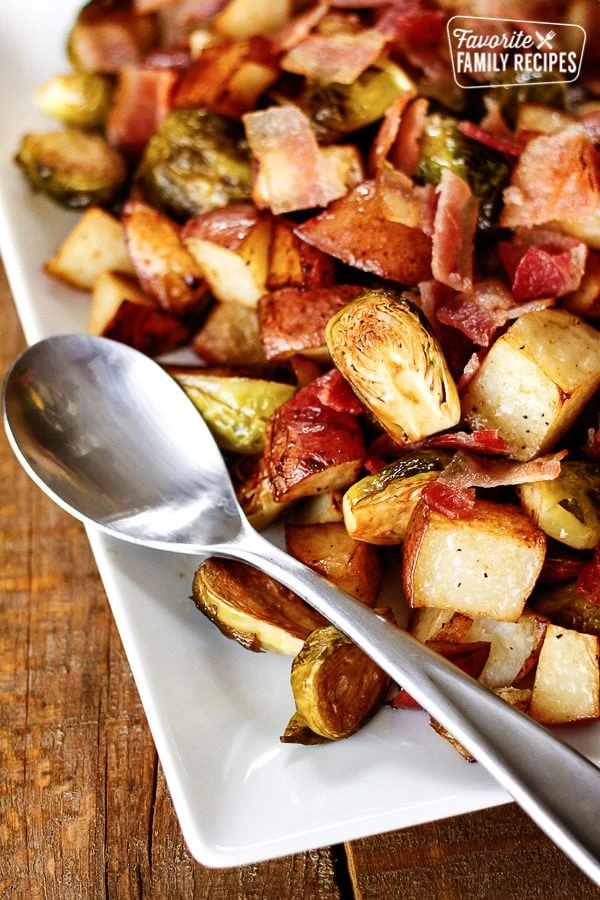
[
  {"x": 236, "y": 409},
  {"x": 568, "y": 507},
  {"x": 512, "y": 89},
  {"x": 76, "y": 168},
  {"x": 251, "y": 608},
  {"x": 486, "y": 170},
  {"x": 196, "y": 161},
  {"x": 80, "y": 99},
  {"x": 110, "y": 34},
  {"x": 565, "y": 606},
  {"x": 337, "y": 687},
  {"x": 378, "y": 507},
  {"x": 339, "y": 109},
  {"x": 386, "y": 350}
]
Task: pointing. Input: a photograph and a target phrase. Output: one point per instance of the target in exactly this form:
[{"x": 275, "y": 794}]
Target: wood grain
[{"x": 84, "y": 808}]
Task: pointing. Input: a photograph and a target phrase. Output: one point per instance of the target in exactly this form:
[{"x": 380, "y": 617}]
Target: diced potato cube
[
  {"x": 535, "y": 380},
  {"x": 486, "y": 565},
  {"x": 514, "y": 647},
  {"x": 567, "y": 678},
  {"x": 94, "y": 245}
]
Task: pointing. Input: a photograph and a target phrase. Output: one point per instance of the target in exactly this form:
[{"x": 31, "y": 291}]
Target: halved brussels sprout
[
  {"x": 337, "y": 687},
  {"x": 565, "y": 606},
  {"x": 387, "y": 351},
  {"x": 568, "y": 507},
  {"x": 74, "y": 167},
  {"x": 512, "y": 89},
  {"x": 378, "y": 507},
  {"x": 339, "y": 109},
  {"x": 196, "y": 161},
  {"x": 486, "y": 171},
  {"x": 236, "y": 409},
  {"x": 80, "y": 99},
  {"x": 251, "y": 608}
]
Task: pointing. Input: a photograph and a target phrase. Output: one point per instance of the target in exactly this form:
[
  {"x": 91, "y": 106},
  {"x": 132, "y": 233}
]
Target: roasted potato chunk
[
  {"x": 535, "y": 381},
  {"x": 566, "y": 687},
  {"x": 485, "y": 565}
]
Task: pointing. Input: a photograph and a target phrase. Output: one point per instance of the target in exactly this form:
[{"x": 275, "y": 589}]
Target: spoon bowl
[{"x": 115, "y": 441}]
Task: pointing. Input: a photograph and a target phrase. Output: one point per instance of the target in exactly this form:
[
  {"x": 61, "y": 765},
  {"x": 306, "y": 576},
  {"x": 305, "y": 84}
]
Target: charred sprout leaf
[
  {"x": 565, "y": 606},
  {"x": 251, "y": 608},
  {"x": 80, "y": 99},
  {"x": 568, "y": 507},
  {"x": 236, "y": 409},
  {"x": 388, "y": 353},
  {"x": 298, "y": 732},
  {"x": 378, "y": 507},
  {"x": 486, "y": 170},
  {"x": 337, "y": 687},
  {"x": 339, "y": 109},
  {"x": 76, "y": 168},
  {"x": 196, "y": 161}
]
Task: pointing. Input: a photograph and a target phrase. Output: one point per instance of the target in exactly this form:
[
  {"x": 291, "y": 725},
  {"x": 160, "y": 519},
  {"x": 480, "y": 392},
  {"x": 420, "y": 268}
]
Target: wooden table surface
[{"x": 84, "y": 808}]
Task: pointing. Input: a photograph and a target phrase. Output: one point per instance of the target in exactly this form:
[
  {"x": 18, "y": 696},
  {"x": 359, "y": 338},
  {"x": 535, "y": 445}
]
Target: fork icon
[{"x": 545, "y": 41}]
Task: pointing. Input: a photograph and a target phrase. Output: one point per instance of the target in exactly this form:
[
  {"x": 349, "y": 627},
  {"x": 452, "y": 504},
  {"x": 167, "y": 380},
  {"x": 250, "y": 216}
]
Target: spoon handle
[{"x": 556, "y": 785}]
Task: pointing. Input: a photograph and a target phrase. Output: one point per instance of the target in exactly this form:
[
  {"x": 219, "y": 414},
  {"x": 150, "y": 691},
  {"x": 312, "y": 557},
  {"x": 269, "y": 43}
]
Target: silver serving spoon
[{"x": 116, "y": 442}]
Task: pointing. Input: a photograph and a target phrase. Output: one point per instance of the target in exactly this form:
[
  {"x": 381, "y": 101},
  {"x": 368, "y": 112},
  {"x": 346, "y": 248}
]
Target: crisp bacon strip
[
  {"x": 543, "y": 263},
  {"x": 486, "y": 440},
  {"x": 478, "y": 313},
  {"x": 453, "y": 231},
  {"x": 293, "y": 172},
  {"x": 496, "y": 141},
  {"x": 333, "y": 391},
  {"x": 406, "y": 150},
  {"x": 299, "y": 28},
  {"x": 141, "y": 101},
  {"x": 339, "y": 57},
  {"x": 448, "y": 499},
  {"x": 554, "y": 179},
  {"x": 388, "y": 132}
]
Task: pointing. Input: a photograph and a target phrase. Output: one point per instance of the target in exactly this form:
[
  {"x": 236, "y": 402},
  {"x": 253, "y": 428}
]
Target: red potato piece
[
  {"x": 167, "y": 272},
  {"x": 354, "y": 229},
  {"x": 294, "y": 263},
  {"x": 293, "y": 321},
  {"x": 227, "y": 226},
  {"x": 121, "y": 311},
  {"x": 141, "y": 101},
  {"x": 327, "y": 548},
  {"x": 311, "y": 448},
  {"x": 228, "y": 79}
]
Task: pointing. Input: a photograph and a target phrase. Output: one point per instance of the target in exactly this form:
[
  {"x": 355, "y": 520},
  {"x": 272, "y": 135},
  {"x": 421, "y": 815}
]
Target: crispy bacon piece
[
  {"x": 388, "y": 132},
  {"x": 496, "y": 141},
  {"x": 554, "y": 179},
  {"x": 339, "y": 57},
  {"x": 406, "y": 151},
  {"x": 141, "y": 101},
  {"x": 299, "y": 27},
  {"x": 592, "y": 444},
  {"x": 478, "y": 313},
  {"x": 588, "y": 580},
  {"x": 355, "y": 230},
  {"x": 453, "y": 231},
  {"x": 485, "y": 440},
  {"x": 452, "y": 501},
  {"x": 543, "y": 263},
  {"x": 333, "y": 391},
  {"x": 292, "y": 171}
]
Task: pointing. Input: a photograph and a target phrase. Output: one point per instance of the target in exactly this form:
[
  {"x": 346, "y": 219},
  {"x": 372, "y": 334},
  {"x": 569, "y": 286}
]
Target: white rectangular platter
[{"x": 215, "y": 710}]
